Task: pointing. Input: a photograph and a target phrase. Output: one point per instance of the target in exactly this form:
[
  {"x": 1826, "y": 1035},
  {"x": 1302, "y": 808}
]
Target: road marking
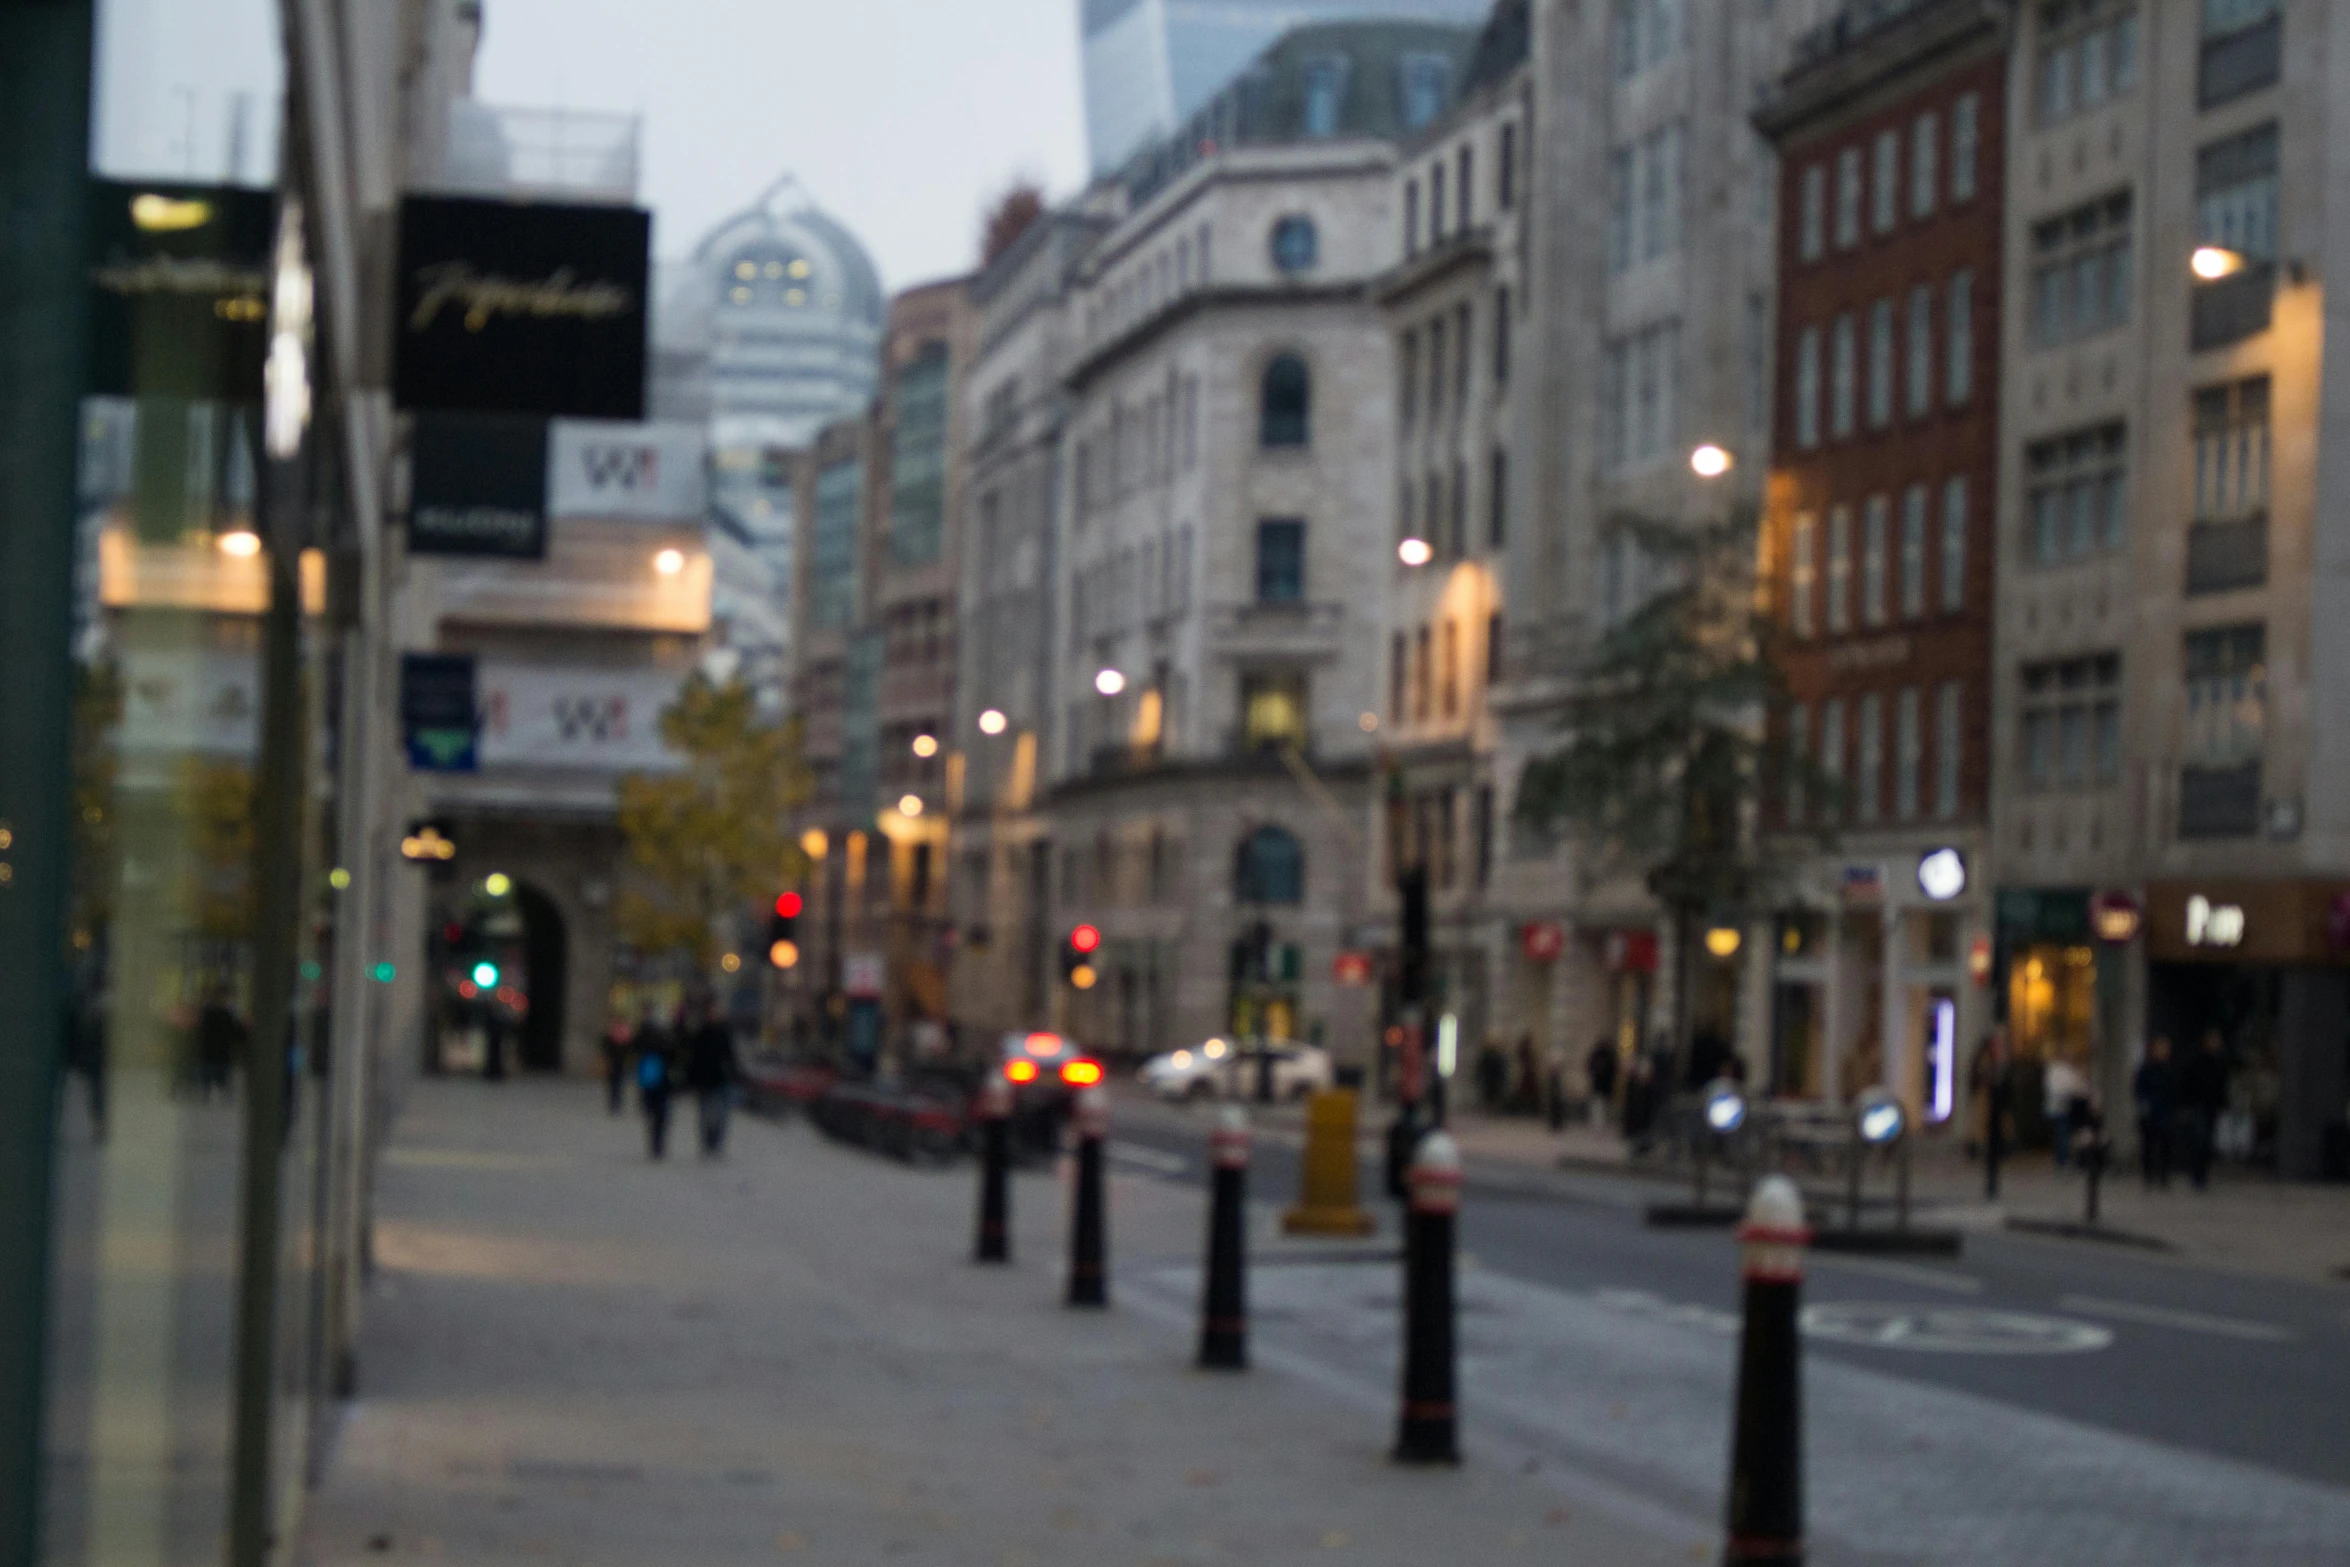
[
  {"x": 1905, "y": 1273},
  {"x": 1150, "y": 1159},
  {"x": 1952, "y": 1330},
  {"x": 2186, "y": 1321}
]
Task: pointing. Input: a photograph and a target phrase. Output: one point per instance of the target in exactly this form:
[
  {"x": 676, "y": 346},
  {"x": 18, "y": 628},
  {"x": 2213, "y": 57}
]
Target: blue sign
[{"x": 438, "y": 714}]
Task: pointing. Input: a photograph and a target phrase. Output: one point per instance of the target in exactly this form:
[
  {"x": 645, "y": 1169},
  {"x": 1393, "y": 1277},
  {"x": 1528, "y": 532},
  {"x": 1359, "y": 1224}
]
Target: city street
[{"x": 578, "y": 1356}]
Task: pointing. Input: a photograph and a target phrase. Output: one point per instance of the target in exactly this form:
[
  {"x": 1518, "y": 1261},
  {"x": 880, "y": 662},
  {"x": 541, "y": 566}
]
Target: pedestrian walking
[
  {"x": 1529, "y": 1077},
  {"x": 220, "y": 1041},
  {"x": 616, "y": 1041},
  {"x": 1987, "y": 1081},
  {"x": 2155, "y": 1088},
  {"x": 653, "y": 1071},
  {"x": 2203, "y": 1095},
  {"x": 2064, "y": 1098},
  {"x": 710, "y": 1071},
  {"x": 1599, "y": 1070}
]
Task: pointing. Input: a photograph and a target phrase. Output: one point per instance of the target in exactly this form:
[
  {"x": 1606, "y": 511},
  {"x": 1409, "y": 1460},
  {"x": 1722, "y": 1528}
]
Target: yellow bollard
[{"x": 1332, "y": 1201}]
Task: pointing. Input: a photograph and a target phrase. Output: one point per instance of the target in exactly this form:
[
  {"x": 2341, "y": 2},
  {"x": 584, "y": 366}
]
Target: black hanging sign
[
  {"x": 521, "y": 307},
  {"x": 478, "y": 486},
  {"x": 179, "y": 290},
  {"x": 438, "y": 712}
]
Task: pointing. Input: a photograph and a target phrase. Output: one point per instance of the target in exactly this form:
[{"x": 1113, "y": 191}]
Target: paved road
[{"x": 2209, "y": 1387}]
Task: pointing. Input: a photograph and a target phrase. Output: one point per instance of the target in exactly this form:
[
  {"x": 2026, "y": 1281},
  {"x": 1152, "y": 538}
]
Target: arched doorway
[{"x": 546, "y": 963}]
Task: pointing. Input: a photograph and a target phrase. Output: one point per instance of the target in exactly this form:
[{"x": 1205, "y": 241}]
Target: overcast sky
[{"x": 901, "y": 117}]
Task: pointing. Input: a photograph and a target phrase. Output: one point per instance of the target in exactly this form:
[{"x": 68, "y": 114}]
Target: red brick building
[{"x": 1879, "y": 533}]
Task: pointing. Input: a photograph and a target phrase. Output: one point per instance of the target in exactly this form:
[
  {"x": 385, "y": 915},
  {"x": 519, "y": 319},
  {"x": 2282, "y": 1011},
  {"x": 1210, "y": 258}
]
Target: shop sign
[
  {"x": 437, "y": 712},
  {"x": 478, "y": 486},
  {"x": 2115, "y": 918},
  {"x": 2245, "y": 921},
  {"x": 1630, "y": 952},
  {"x": 1351, "y": 969},
  {"x": 575, "y": 716},
  {"x": 179, "y": 290},
  {"x": 2212, "y": 924},
  {"x": 1542, "y": 940},
  {"x": 644, "y": 472},
  {"x": 521, "y": 307},
  {"x": 1862, "y": 883}
]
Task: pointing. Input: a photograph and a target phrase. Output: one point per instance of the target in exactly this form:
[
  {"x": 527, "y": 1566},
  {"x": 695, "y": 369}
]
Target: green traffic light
[{"x": 486, "y": 975}]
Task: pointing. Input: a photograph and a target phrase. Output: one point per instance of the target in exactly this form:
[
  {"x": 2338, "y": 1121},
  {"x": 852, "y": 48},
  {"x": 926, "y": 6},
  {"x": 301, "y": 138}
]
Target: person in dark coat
[
  {"x": 1599, "y": 1070},
  {"x": 615, "y": 1046},
  {"x": 653, "y": 1074},
  {"x": 220, "y": 1040},
  {"x": 2203, "y": 1094},
  {"x": 710, "y": 1071},
  {"x": 2155, "y": 1087}
]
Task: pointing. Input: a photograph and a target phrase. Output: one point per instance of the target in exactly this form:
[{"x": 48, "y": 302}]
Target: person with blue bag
[{"x": 653, "y": 1073}]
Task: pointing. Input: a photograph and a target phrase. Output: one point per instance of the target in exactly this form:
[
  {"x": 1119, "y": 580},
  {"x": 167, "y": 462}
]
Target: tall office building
[{"x": 1150, "y": 63}]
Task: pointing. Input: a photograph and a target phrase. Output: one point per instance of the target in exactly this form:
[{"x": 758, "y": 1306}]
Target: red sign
[
  {"x": 2116, "y": 918},
  {"x": 1542, "y": 940},
  {"x": 1978, "y": 960},
  {"x": 1631, "y": 952},
  {"x": 1351, "y": 968}
]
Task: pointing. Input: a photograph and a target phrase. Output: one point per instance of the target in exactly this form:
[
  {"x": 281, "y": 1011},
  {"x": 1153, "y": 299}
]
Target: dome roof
[{"x": 782, "y": 252}]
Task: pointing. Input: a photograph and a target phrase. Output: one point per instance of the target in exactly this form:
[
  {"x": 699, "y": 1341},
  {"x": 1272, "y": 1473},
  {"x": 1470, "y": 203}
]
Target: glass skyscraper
[{"x": 1150, "y": 63}]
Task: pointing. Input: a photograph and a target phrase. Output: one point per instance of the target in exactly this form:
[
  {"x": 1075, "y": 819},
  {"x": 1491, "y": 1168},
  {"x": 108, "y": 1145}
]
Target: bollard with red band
[
  {"x": 1089, "y": 1283},
  {"x": 995, "y": 1166},
  {"x": 1766, "y": 1455},
  {"x": 1428, "y": 1432},
  {"x": 1223, "y": 1331}
]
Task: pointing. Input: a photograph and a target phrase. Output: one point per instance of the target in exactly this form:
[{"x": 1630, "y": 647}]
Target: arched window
[
  {"x": 1271, "y": 868},
  {"x": 1284, "y": 414}
]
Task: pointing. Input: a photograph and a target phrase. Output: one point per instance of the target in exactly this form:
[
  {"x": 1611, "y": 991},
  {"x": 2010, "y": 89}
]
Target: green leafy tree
[
  {"x": 1667, "y": 753},
  {"x": 707, "y": 840}
]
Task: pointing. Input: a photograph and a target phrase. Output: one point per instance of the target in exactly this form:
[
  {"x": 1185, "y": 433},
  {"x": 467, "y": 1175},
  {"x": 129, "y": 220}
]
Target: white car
[{"x": 1228, "y": 1069}]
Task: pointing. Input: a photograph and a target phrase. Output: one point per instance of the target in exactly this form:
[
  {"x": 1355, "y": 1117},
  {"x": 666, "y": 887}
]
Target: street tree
[
  {"x": 1667, "y": 752},
  {"x": 707, "y": 840}
]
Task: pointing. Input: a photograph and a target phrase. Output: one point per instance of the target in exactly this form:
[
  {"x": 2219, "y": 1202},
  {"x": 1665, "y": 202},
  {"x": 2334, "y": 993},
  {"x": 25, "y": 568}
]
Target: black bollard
[
  {"x": 1223, "y": 1330},
  {"x": 1766, "y": 1455},
  {"x": 995, "y": 1166},
  {"x": 1428, "y": 1432},
  {"x": 1089, "y": 1283}
]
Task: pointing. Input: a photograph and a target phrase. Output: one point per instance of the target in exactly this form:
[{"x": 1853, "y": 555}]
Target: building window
[
  {"x": 1501, "y": 337},
  {"x": 1270, "y": 868},
  {"x": 1457, "y": 544},
  {"x": 1411, "y": 217},
  {"x": 918, "y": 459},
  {"x": 1644, "y": 198},
  {"x": 1876, "y": 525},
  {"x": 1464, "y": 336},
  {"x": 1422, "y": 669},
  {"x": 1803, "y": 575},
  {"x": 2236, "y": 209},
  {"x": 1812, "y": 242},
  {"x": 1493, "y": 648},
  {"x": 1959, "y": 353},
  {"x": 1925, "y": 146},
  {"x": 1909, "y": 752},
  {"x": 1869, "y": 764},
  {"x": 1755, "y": 344},
  {"x": 1399, "y": 669},
  {"x": 1425, "y": 83},
  {"x": 1807, "y": 388},
  {"x": 1885, "y": 209},
  {"x": 1497, "y": 503},
  {"x": 1325, "y": 95},
  {"x": 2081, "y": 271},
  {"x": 1920, "y": 365},
  {"x": 1843, "y": 379},
  {"x": 1954, "y": 551},
  {"x": 1848, "y": 198},
  {"x": 1273, "y": 709},
  {"x": 1645, "y": 33},
  {"x": 1281, "y": 561},
  {"x": 1448, "y": 667},
  {"x": 1407, "y": 360},
  {"x": 2074, "y": 494},
  {"x": 1642, "y": 390},
  {"x": 2088, "y": 54},
  {"x": 1435, "y": 368},
  {"x": 1839, "y": 569},
  {"x": 1286, "y": 403},
  {"x": 2072, "y": 714},
  {"x": 1467, "y": 182},
  {"x": 1880, "y": 364},
  {"x": 1832, "y": 752},
  {"x": 2227, "y": 731},
  {"x": 1505, "y": 170},
  {"x": 1436, "y": 203},
  {"x": 1913, "y": 552},
  {"x": 1797, "y": 762},
  {"x": 2243, "y": 49},
  {"x": 1949, "y": 749},
  {"x": 1295, "y": 245},
  {"x": 2227, "y": 544},
  {"x": 1966, "y": 141}
]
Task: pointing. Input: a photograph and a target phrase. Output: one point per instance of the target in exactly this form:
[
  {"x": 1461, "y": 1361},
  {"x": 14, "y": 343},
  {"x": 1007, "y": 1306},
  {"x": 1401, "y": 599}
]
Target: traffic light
[
  {"x": 783, "y": 941},
  {"x": 1077, "y": 957}
]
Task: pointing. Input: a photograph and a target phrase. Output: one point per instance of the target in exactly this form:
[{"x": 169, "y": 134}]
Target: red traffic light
[
  {"x": 788, "y": 906},
  {"x": 1085, "y": 938}
]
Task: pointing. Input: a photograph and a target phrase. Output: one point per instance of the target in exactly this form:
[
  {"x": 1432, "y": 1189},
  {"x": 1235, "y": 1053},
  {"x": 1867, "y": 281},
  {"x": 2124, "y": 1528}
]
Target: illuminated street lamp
[
  {"x": 992, "y": 722},
  {"x": 240, "y": 543},
  {"x": 669, "y": 562},
  {"x": 909, "y": 805},
  {"x": 1711, "y": 461},
  {"x": 926, "y": 746},
  {"x": 1415, "y": 552},
  {"x": 2213, "y": 262},
  {"x": 1109, "y": 682}
]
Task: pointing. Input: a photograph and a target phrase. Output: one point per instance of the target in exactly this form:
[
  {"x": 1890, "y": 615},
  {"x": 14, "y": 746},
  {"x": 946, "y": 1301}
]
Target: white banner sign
[
  {"x": 538, "y": 715},
  {"x": 647, "y": 472},
  {"x": 206, "y": 701}
]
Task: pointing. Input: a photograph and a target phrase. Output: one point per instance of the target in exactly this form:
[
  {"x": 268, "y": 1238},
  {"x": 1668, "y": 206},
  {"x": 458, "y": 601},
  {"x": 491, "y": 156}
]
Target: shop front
[
  {"x": 2260, "y": 970},
  {"x": 2061, "y": 978}
]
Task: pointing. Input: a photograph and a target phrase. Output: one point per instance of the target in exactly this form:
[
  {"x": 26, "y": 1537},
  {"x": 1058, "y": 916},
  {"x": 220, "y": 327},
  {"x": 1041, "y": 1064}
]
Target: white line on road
[
  {"x": 1150, "y": 1159},
  {"x": 2186, "y": 1321},
  {"x": 1904, "y": 1273}
]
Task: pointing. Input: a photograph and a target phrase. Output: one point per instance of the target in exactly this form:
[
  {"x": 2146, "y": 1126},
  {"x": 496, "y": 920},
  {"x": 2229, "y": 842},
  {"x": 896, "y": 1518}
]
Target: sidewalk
[
  {"x": 2247, "y": 1221},
  {"x": 574, "y": 1356}
]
